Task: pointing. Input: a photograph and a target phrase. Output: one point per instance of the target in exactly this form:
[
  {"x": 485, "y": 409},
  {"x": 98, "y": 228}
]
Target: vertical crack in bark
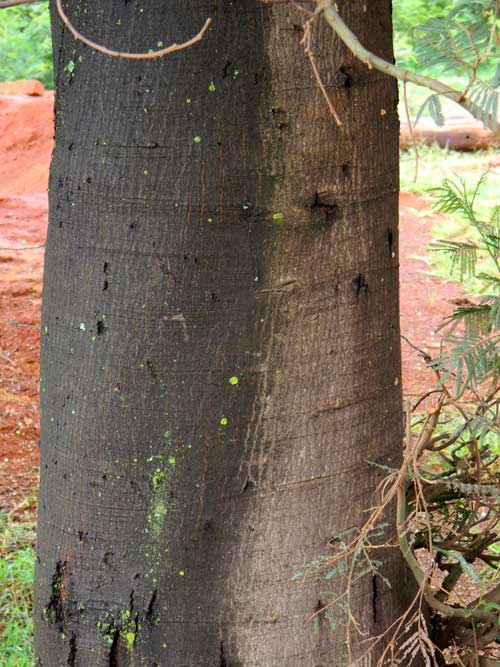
[
  {"x": 150, "y": 611},
  {"x": 114, "y": 651},
  {"x": 390, "y": 238},
  {"x": 131, "y": 601},
  {"x": 106, "y": 282},
  {"x": 222, "y": 658},
  {"x": 247, "y": 485},
  {"x": 72, "y": 651},
  {"x": 374, "y": 598},
  {"x": 54, "y": 611}
]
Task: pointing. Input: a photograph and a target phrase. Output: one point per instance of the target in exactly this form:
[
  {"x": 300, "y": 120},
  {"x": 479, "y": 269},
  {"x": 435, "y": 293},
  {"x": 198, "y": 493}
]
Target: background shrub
[{"x": 25, "y": 44}]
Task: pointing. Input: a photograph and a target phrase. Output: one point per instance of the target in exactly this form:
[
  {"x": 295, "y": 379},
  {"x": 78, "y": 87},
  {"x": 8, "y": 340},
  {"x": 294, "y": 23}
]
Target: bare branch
[
  {"x": 307, "y": 44},
  {"x": 20, "y": 248},
  {"x": 135, "y": 56},
  {"x": 332, "y": 17}
]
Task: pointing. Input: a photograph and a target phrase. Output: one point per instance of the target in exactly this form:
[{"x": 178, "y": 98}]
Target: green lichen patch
[
  {"x": 157, "y": 478},
  {"x": 125, "y": 623},
  {"x": 162, "y": 501},
  {"x": 70, "y": 68}
]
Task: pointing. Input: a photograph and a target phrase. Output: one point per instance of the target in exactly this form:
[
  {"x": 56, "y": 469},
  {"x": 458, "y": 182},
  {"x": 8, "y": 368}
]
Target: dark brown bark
[{"x": 220, "y": 356}]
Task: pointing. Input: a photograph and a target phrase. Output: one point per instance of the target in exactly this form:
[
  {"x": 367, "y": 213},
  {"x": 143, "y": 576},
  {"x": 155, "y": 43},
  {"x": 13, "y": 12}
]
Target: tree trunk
[{"x": 220, "y": 354}]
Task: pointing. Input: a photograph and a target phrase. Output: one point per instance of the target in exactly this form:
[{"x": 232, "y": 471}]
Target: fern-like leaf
[{"x": 463, "y": 255}]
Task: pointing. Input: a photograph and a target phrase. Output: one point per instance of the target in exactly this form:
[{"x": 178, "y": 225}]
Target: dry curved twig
[
  {"x": 172, "y": 48},
  {"x": 135, "y": 56}
]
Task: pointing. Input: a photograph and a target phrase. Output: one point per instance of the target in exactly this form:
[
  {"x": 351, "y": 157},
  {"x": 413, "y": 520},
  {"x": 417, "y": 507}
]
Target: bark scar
[
  {"x": 54, "y": 611},
  {"x": 360, "y": 285},
  {"x": 72, "y": 651},
  {"x": 222, "y": 659},
  {"x": 114, "y": 651}
]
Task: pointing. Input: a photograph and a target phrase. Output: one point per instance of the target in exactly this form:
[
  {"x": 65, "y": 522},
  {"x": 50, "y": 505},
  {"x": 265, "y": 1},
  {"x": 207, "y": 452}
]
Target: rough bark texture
[{"x": 220, "y": 356}]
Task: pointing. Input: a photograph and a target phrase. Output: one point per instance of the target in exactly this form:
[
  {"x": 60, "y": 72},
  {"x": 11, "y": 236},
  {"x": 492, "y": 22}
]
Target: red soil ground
[{"x": 25, "y": 147}]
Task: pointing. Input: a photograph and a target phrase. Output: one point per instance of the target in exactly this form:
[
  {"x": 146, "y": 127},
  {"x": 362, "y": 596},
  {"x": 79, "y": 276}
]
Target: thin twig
[
  {"x": 6, "y": 358},
  {"x": 13, "y": 323},
  {"x": 425, "y": 356},
  {"x": 306, "y": 42},
  {"x": 332, "y": 17},
  {"x": 312, "y": 60},
  {"x": 301, "y": 9},
  {"x": 136, "y": 56},
  {"x": 28, "y": 247}
]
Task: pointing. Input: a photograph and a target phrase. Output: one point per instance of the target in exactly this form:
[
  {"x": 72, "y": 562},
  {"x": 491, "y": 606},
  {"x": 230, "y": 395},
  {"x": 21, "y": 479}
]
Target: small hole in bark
[
  {"x": 343, "y": 78},
  {"x": 151, "y": 369},
  {"x": 360, "y": 285},
  {"x": 325, "y": 211}
]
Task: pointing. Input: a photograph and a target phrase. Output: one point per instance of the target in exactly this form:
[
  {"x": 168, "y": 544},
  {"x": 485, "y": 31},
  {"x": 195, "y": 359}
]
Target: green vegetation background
[
  {"x": 25, "y": 48},
  {"x": 25, "y": 44}
]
